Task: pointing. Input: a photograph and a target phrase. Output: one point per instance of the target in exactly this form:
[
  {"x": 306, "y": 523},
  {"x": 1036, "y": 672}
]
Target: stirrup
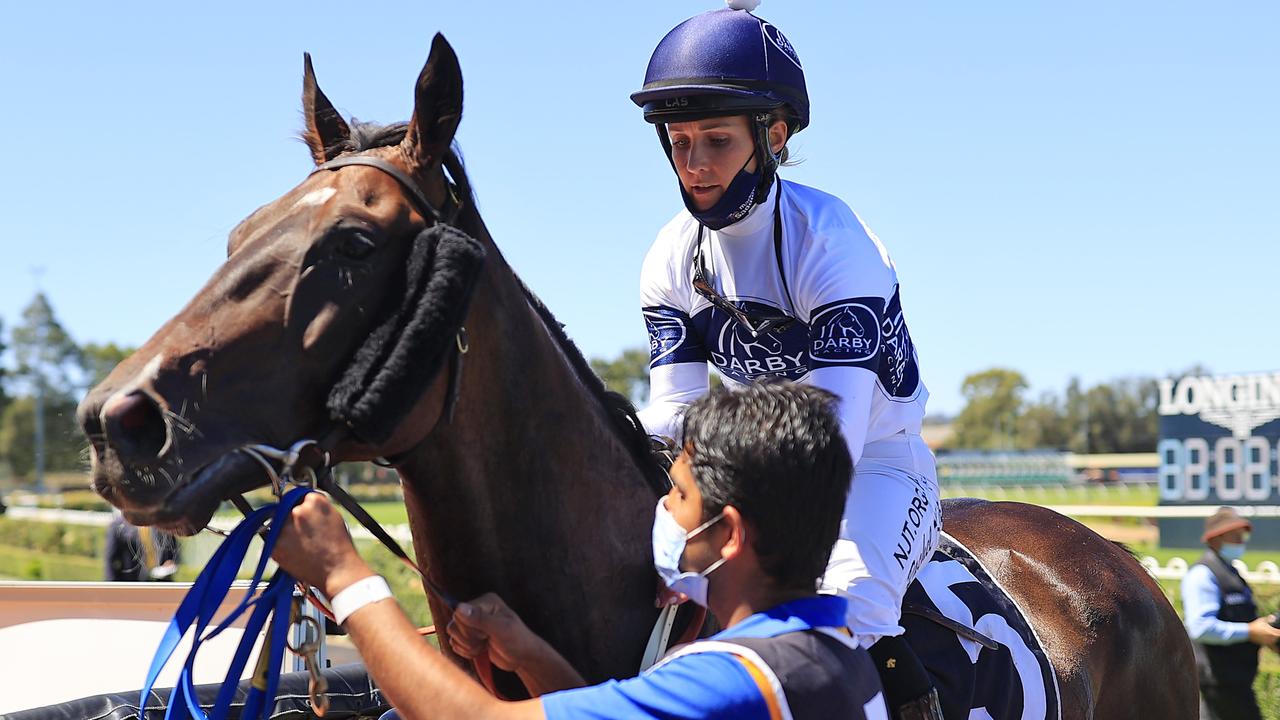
[{"x": 925, "y": 707}]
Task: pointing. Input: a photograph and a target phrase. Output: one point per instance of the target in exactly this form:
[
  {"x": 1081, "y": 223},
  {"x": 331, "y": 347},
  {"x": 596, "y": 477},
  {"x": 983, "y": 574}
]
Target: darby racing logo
[
  {"x": 740, "y": 356},
  {"x": 667, "y": 333},
  {"x": 845, "y": 333},
  {"x": 1239, "y": 403},
  {"x": 780, "y": 41}
]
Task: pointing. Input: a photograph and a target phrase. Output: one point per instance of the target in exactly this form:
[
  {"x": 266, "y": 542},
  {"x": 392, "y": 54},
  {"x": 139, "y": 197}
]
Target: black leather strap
[
  {"x": 407, "y": 182},
  {"x": 777, "y": 244}
]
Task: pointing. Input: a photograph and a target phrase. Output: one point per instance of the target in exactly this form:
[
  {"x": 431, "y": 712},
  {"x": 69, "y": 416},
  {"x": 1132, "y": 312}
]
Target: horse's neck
[{"x": 530, "y": 493}]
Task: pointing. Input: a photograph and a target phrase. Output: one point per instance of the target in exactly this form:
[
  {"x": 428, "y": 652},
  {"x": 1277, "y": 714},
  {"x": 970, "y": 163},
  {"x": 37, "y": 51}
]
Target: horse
[{"x": 522, "y": 476}]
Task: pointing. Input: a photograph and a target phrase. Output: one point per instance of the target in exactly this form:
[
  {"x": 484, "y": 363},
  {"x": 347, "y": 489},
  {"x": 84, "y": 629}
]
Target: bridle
[{"x": 308, "y": 462}]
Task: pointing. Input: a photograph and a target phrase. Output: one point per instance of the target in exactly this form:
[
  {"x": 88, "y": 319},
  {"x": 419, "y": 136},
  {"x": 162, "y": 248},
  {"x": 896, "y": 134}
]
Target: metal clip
[{"x": 309, "y": 650}]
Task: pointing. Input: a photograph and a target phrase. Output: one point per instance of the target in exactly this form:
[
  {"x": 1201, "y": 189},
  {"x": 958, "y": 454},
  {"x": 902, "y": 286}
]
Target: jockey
[{"x": 764, "y": 278}]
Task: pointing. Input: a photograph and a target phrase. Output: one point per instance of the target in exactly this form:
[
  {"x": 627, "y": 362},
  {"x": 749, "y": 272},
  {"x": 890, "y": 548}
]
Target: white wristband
[{"x": 358, "y": 594}]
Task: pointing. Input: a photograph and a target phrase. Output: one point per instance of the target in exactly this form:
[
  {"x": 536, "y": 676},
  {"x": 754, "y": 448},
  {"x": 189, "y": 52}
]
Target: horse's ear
[
  {"x": 437, "y": 106},
  {"x": 326, "y": 130}
]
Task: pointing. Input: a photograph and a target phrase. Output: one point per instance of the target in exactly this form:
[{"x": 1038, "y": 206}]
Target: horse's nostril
[{"x": 135, "y": 427}]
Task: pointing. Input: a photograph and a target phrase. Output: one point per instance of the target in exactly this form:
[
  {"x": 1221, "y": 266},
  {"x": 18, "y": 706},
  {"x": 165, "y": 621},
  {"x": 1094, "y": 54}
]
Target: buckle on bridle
[{"x": 300, "y": 465}]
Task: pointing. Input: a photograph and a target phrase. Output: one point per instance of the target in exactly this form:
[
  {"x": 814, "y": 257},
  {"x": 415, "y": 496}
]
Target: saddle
[{"x": 975, "y": 642}]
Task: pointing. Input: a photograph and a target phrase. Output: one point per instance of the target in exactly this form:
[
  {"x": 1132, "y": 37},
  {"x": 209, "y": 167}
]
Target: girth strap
[{"x": 960, "y": 629}]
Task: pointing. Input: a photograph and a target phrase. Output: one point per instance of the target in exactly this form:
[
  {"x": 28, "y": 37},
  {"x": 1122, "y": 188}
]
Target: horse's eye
[{"x": 355, "y": 246}]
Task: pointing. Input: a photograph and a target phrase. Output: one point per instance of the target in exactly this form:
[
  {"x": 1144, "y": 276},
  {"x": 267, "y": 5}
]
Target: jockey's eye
[{"x": 355, "y": 245}]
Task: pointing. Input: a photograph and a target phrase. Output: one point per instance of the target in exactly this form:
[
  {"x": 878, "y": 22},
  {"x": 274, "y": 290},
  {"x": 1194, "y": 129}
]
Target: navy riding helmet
[
  {"x": 726, "y": 62},
  {"x": 723, "y": 62}
]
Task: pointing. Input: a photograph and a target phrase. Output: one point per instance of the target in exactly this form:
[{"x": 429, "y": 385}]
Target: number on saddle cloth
[{"x": 1014, "y": 681}]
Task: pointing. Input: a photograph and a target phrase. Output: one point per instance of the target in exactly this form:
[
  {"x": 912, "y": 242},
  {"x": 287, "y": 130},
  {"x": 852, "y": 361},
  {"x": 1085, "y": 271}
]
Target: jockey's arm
[
  {"x": 671, "y": 389},
  {"x": 854, "y": 387}
]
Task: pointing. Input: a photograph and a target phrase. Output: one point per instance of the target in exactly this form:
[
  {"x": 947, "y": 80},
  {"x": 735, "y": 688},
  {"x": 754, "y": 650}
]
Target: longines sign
[{"x": 1219, "y": 439}]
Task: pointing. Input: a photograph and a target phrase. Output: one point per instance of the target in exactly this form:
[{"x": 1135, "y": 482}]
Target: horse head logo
[
  {"x": 844, "y": 324},
  {"x": 766, "y": 344}
]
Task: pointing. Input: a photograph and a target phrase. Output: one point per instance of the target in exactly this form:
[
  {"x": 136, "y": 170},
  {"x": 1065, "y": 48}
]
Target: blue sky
[{"x": 1087, "y": 189}]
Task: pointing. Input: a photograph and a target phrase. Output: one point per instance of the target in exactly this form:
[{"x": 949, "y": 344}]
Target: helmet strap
[{"x": 765, "y": 157}]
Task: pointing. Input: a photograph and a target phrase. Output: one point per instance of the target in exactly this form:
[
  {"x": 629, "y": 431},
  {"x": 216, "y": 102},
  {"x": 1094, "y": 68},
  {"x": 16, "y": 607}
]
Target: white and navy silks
[{"x": 851, "y": 338}]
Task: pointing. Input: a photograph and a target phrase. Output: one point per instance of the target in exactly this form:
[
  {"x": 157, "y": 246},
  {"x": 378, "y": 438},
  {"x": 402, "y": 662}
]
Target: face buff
[
  {"x": 668, "y": 548},
  {"x": 733, "y": 205}
]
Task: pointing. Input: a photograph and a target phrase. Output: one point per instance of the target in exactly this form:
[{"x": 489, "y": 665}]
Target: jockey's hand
[
  {"x": 486, "y": 626},
  {"x": 315, "y": 548}
]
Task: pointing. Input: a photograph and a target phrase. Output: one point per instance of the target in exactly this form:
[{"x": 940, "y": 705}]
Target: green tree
[
  {"x": 47, "y": 368},
  {"x": 63, "y": 441},
  {"x": 1122, "y": 416},
  {"x": 993, "y": 402},
  {"x": 97, "y": 361},
  {"x": 1043, "y": 425},
  {"x": 4, "y": 395},
  {"x": 627, "y": 374},
  {"x": 43, "y": 350}
]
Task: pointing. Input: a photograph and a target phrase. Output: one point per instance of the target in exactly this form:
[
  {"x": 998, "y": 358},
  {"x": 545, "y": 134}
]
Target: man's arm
[
  {"x": 487, "y": 627},
  {"x": 315, "y": 548},
  {"x": 1200, "y": 607}
]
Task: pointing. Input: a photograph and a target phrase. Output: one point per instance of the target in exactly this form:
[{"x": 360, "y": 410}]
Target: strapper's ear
[{"x": 397, "y": 363}]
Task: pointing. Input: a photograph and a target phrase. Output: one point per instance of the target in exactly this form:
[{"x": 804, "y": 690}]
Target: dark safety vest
[
  {"x": 1228, "y": 664},
  {"x": 807, "y": 674}
]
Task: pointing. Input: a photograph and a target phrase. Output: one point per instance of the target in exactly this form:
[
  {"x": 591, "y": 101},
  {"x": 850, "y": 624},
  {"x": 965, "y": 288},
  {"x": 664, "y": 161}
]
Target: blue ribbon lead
[{"x": 201, "y": 603}]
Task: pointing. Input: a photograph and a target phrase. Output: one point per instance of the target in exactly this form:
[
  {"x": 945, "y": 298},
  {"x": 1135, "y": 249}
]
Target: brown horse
[{"x": 537, "y": 485}]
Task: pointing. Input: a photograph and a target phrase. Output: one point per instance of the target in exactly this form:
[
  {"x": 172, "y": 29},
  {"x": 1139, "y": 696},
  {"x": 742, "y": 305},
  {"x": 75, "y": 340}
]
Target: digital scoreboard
[{"x": 1219, "y": 445}]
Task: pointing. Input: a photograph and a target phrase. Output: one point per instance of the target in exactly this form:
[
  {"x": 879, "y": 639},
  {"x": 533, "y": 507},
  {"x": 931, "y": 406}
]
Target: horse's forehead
[{"x": 311, "y": 196}]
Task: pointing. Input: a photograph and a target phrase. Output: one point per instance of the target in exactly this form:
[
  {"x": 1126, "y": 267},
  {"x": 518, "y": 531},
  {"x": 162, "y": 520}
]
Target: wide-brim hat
[{"x": 1223, "y": 521}]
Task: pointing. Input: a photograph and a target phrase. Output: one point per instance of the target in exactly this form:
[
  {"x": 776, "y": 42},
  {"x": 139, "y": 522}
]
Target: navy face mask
[{"x": 737, "y": 201}]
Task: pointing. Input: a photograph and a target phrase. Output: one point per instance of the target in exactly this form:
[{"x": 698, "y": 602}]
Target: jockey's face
[{"x": 709, "y": 153}]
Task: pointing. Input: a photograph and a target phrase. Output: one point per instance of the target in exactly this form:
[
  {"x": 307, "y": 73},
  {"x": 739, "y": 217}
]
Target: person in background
[
  {"x": 134, "y": 554},
  {"x": 1223, "y": 621}
]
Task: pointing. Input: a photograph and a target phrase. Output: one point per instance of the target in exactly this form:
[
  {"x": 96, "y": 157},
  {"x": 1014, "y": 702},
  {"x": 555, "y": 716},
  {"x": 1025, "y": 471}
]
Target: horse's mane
[{"x": 627, "y": 426}]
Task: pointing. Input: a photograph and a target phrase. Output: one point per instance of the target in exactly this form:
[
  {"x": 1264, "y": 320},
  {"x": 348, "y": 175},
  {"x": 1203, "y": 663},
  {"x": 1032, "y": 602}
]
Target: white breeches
[{"x": 890, "y": 529}]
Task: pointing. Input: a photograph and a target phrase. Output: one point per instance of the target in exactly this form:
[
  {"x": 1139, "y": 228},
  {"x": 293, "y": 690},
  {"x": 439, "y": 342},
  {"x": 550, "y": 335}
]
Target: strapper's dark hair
[{"x": 774, "y": 451}]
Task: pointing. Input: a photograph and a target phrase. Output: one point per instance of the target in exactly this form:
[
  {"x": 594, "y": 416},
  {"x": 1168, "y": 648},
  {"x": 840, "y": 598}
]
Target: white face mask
[{"x": 668, "y": 548}]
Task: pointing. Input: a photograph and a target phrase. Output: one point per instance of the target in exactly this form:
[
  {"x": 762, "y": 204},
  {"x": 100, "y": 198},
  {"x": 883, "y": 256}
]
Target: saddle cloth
[{"x": 1015, "y": 682}]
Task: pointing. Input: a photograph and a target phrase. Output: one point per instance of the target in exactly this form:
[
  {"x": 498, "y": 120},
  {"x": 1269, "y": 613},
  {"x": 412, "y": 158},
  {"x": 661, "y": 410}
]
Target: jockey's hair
[{"x": 774, "y": 451}]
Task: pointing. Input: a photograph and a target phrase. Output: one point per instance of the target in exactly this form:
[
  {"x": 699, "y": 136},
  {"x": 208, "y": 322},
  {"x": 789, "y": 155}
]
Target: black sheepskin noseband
[{"x": 402, "y": 356}]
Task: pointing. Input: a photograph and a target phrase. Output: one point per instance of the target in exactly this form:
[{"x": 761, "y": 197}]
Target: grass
[
  {"x": 1140, "y": 496},
  {"x": 386, "y": 512}
]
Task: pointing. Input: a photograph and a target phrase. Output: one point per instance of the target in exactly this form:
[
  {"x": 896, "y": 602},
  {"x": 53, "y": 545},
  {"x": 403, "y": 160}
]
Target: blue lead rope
[{"x": 272, "y": 606}]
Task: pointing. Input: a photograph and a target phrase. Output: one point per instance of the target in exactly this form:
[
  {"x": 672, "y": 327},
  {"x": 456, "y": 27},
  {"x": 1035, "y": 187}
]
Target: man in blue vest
[
  {"x": 754, "y": 509},
  {"x": 1223, "y": 621}
]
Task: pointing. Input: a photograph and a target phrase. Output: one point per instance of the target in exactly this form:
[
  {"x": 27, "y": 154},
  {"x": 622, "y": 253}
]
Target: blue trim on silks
[{"x": 202, "y": 601}]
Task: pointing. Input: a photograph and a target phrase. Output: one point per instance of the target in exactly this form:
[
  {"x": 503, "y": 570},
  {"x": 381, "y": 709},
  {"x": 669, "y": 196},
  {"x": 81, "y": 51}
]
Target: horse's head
[{"x": 264, "y": 353}]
